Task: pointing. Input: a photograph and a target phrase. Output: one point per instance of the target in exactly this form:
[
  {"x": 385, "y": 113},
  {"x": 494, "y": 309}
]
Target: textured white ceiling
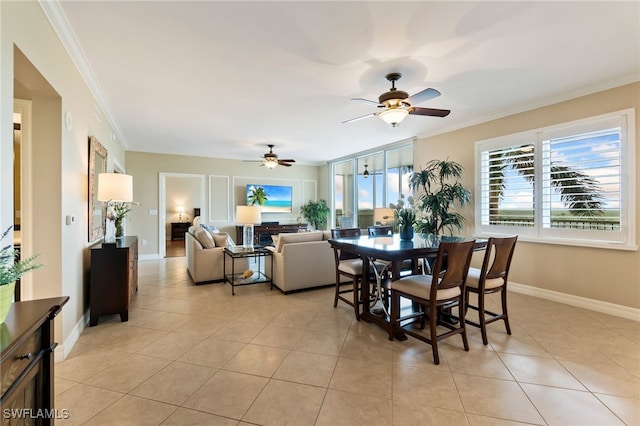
[{"x": 223, "y": 79}]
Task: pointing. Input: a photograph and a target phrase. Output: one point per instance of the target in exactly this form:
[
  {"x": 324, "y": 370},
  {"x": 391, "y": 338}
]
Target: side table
[
  {"x": 235, "y": 277},
  {"x": 178, "y": 230}
]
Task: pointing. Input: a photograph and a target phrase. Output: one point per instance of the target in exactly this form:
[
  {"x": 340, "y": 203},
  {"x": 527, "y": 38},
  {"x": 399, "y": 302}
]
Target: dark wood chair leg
[
  {"x": 504, "y": 310},
  {"x": 395, "y": 313},
  {"x": 433, "y": 320},
  {"x": 335, "y": 299},
  {"x": 356, "y": 299},
  {"x": 482, "y": 319}
]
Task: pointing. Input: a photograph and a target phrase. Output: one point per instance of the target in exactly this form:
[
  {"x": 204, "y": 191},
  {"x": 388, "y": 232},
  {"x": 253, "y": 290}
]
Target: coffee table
[{"x": 260, "y": 276}]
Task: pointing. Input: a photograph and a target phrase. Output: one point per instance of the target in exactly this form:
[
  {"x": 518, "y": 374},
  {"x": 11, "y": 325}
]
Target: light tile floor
[{"x": 196, "y": 355}]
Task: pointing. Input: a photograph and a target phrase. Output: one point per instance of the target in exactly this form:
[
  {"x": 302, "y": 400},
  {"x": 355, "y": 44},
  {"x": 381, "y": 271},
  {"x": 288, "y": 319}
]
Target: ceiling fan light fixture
[
  {"x": 270, "y": 163},
  {"x": 394, "y": 116}
]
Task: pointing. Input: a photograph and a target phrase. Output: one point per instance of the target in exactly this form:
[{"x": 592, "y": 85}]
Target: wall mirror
[{"x": 97, "y": 211}]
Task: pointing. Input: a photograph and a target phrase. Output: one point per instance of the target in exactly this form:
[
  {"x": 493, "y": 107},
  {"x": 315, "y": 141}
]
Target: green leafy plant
[
  {"x": 118, "y": 214},
  {"x": 316, "y": 212},
  {"x": 439, "y": 188},
  {"x": 404, "y": 212},
  {"x": 257, "y": 194},
  {"x": 10, "y": 269}
]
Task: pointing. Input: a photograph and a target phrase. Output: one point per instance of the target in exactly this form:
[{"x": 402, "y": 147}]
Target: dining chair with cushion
[
  {"x": 380, "y": 230},
  {"x": 349, "y": 265},
  {"x": 491, "y": 278},
  {"x": 444, "y": 289}
]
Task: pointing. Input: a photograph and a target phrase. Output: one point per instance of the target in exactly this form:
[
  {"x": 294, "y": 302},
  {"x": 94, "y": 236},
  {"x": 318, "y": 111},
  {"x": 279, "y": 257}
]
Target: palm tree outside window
[{"x": 566, "y": 181}]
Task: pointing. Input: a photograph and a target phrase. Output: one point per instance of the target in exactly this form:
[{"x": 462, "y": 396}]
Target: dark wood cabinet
[
  {"x": 178, "y": 230},
  {"x": 114, "y": 278},
  {"x": 262, "y": 233},
  {"x": 26, "y": 363}
]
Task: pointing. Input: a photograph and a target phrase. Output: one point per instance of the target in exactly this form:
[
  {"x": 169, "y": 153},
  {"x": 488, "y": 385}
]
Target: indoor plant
[
  {"x": 316, "y": 212},
  {"x": 10, "y": 271},
  {"x": 405, "y": 217},
  {"x": 119, "y": 214},
  {"x": 439, "y": 188}
]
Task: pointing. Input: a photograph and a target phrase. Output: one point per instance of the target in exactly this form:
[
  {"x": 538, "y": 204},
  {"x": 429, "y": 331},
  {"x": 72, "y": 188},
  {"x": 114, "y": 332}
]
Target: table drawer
[{"x": 18, "y": 360}]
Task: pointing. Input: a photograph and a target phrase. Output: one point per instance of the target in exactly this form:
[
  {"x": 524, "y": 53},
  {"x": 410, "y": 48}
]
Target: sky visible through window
[{"x": 596, "y": 155}]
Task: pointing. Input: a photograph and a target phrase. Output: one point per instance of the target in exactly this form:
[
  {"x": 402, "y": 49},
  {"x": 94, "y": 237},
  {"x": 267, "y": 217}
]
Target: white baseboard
[
  {"x": 152, "y": 256},
  {"x": 62, "y": 351},
  {"x": 577, "y": 301}
]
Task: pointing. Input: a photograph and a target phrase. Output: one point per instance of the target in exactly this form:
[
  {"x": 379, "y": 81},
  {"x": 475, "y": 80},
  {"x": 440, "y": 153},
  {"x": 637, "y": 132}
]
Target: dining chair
[
  {"x": 491, "y": 278},
  {"x": 434, "y": 293},
  {"x": 349, "y": 265},
  {"x": 379, "y": 231}
]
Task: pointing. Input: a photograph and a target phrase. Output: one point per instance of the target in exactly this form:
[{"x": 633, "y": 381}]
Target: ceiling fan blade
[
  {"x": 433, "y": 112},
  {"x": 359, "y": 118},
  {"x": 422, "y": 96},
  {"x": 282, "y": 163},
  {"x": 288, "y": 160},
  {"x": 367, "y": 101}
]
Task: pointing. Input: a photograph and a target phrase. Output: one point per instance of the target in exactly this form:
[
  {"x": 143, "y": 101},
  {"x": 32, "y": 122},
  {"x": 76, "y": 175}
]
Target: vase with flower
[
  {"x": 11, "y": 269},
  {"x": 117, "y": 214},
  {"x": 405, "y": 217}
]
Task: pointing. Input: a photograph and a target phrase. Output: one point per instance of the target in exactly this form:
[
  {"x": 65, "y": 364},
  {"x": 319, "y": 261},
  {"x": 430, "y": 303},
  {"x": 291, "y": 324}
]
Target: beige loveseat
[
  {"x": 302, "y": 260},
  {"x": 205, "y": 255}
]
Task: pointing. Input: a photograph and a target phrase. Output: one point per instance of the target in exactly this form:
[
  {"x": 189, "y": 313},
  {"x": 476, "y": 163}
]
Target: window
[
  {"x": 380, "y": 177},
  {"x": 571, "y": 184}
]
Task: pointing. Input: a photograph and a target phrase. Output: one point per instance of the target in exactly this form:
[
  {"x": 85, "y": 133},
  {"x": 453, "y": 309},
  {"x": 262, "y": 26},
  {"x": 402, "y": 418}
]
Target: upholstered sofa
[
  {"x": 205, "y": 254},
  {"x": 302, "y": 260}
]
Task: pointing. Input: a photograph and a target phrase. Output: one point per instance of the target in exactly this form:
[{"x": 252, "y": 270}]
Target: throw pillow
[
  {"x": 204, "y": 238},
  {"x": 211, "y": 228},
  {"x": 220, "y": 239},
  {"x": 196, "y": 221}
]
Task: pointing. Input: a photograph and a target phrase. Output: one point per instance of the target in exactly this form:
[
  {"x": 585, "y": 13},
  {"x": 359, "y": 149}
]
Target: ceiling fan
[
  {"x": 270, "y": 160},
  {"x": 398, "y": 104}
]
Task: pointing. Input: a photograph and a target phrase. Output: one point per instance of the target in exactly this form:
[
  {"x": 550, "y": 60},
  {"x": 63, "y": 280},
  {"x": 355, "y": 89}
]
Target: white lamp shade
[
  {"x": 180, "y": 210},
  {"x": 115, "y": 187},
  {"x": 383, "y": 215},
  {"x": 249, "y": 215},
  {"x": 394, "y": 116}
]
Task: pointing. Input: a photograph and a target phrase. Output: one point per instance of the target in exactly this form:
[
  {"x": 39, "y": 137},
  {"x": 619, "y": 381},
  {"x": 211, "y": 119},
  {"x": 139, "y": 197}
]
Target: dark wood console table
[
  {"x": 26, "y": 363},
  {"x": 114, "y": 278},
  {"x": 262, "y": 233},
  {"x": 178, "y": 229}
]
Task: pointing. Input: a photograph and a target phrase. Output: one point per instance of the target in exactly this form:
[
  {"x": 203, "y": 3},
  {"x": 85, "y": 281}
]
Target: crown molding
[{"x": 54, "y": 13}]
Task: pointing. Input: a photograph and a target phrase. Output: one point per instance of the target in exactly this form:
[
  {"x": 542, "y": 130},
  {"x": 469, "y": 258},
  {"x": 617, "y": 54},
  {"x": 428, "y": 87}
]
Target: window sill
[{"x": 610, "y": 245}]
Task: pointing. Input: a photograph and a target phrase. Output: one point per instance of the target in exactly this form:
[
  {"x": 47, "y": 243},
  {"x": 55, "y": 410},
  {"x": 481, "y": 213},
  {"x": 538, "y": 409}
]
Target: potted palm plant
[
  {"x": 439, "y": 188},
  {"x": 316, "y": 212},
  {"x": 10, "y": 271}
]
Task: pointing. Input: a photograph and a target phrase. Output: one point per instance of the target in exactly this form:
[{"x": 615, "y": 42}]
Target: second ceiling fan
[
  {"x": 270, "y": 160},
  {"x": 398, "y": 104}
]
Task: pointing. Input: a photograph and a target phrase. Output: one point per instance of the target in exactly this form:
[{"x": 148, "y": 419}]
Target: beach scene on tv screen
[{"x": 279, "y": 198}]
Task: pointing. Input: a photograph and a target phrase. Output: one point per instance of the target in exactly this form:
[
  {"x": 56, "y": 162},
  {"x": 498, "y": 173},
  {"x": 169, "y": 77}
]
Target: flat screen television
[{"x": 279, "y": 198}]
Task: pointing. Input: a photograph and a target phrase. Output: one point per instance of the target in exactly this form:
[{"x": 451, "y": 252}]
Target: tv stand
[{"x": 262, "y": 233}]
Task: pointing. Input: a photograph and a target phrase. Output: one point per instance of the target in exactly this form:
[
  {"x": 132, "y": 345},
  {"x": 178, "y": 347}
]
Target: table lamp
[
  {"x": 113, "y": 187},
  {"x": 180, "y": 210},
  {"x": 248, "y": 216},
  {"x": 383, "y": 216}
]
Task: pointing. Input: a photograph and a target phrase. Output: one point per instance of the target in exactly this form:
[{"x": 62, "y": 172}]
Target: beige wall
[
  {"x": 602, "y": 274},
  {"x": 43, "y": 72},
  {"x": 147, "y": 167}
]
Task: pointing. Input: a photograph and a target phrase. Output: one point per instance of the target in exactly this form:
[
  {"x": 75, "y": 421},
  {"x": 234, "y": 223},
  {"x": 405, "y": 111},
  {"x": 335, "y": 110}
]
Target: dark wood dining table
[{"x": 394, "y": 250}]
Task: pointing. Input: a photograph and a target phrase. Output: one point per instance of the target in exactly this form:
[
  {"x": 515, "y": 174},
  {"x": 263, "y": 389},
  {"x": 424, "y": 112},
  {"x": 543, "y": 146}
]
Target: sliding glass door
[{"x": 365, "y": 182}]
